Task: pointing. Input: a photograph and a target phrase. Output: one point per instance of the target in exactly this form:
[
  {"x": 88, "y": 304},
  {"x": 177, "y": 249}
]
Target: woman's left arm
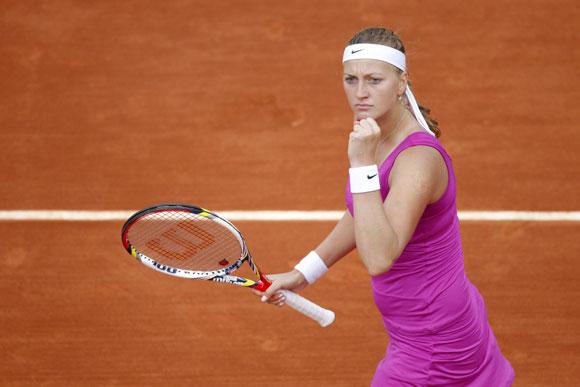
[{"x": 382, "y": 230}]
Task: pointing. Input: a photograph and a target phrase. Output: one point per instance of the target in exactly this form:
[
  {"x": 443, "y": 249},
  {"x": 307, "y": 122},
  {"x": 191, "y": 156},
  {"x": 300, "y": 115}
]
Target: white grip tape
[
  {"x": 364, "y": 179},
  {"x": 312, "y": 267},
  {"x": 308, "y": 308}
]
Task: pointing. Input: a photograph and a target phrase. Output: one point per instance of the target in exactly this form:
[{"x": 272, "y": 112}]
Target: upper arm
[{"x": 418, "y": 178}]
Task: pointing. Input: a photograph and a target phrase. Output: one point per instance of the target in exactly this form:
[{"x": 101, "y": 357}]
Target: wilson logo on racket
[{"x": 171, "y": 237}]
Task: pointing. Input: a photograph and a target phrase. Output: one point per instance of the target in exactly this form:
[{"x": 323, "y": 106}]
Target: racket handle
[{"x": 308, "y": 308}]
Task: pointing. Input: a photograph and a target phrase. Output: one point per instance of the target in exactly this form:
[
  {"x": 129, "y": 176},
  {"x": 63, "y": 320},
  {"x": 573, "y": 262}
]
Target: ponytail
[{"x": 432, "y": 122}]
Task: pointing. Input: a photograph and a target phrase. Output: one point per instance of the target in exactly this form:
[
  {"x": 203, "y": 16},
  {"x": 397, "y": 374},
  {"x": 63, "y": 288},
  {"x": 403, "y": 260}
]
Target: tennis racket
[{"x": 190, "y": 242}]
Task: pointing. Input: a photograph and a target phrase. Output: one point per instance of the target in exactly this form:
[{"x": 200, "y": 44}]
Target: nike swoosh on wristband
[{"x": 370, "y": 177}]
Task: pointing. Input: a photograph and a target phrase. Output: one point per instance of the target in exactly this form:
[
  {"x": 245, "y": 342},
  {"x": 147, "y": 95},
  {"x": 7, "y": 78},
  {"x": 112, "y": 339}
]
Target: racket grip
[{"x": 308, "y": 308}]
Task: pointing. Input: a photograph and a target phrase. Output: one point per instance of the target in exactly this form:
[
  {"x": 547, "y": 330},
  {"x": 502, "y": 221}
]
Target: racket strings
[{"x": 185, "y": 240}]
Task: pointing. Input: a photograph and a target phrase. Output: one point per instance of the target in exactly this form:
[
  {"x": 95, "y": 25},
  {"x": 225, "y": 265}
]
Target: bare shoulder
[
  {"x": 423, "y": 156},
  {"x": 422, "y": 169}
]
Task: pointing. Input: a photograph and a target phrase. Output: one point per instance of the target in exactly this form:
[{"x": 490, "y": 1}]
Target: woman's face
[{"x": 372, "y": 87}]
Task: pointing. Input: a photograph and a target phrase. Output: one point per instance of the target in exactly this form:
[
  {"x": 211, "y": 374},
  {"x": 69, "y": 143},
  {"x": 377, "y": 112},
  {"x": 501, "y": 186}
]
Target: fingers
[
  {"x": 292, "y": 280},
  {"x": 273, "y": 295},
  {"x": 276, "y": 297},
  {"x": 274, "y": 286},
  {"x": 271, "y": 291},
  {"x": 363, "y": 141},
  {"x": 367, "y": 126}
]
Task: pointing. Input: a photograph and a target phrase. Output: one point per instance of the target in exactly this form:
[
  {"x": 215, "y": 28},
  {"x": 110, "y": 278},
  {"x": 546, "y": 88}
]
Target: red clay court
[{"x": 239, "y": 106}]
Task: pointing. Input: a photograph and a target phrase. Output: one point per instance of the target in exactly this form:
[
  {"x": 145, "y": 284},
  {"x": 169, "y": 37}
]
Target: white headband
[{"x": 391, "y": 56}]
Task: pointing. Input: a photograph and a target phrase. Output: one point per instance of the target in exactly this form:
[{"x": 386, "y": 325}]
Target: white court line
[{"x": 307, "y": 216}]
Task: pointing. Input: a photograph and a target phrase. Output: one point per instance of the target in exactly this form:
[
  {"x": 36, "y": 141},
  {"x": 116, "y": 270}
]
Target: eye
[
  {"x": 375, "y": 81},
  {"x": 350, "y": 80}
]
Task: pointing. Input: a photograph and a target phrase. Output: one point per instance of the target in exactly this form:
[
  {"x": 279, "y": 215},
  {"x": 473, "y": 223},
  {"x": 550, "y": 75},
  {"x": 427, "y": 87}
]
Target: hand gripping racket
[{"x": 190, "y": 242}]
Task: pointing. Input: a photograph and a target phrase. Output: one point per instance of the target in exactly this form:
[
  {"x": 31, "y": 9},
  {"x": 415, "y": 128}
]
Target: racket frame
[
  {"x": 323, "y": 316},
  {"x": 221, "y": 275}
]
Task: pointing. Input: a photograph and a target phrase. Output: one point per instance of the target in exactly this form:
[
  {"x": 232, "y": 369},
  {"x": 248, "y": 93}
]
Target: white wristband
[
  {"x": 312, "y": 267},
  {"x": 364, "y": 179}
]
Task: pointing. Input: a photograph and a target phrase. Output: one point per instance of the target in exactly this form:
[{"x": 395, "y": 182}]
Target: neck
[{"x": 392, "y": 124}]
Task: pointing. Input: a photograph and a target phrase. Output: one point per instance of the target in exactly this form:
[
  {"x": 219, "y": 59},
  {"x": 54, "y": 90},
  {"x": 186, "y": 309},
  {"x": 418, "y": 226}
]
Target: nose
[{"x": 361, "y": 90}]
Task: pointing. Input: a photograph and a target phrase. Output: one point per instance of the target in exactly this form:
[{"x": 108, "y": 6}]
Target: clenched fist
[{"x": 362, "y": 143}]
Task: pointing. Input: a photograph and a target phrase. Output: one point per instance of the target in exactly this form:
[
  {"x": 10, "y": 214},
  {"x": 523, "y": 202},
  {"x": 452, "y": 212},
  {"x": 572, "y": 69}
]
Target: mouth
[{"x": 363, "y": 106}]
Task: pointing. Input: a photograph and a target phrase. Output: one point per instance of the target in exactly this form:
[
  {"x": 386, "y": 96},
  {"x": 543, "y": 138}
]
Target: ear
[{"x": 403, "y": 80}]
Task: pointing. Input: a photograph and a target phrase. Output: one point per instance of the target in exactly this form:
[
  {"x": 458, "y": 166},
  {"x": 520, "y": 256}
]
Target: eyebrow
[{"x": 365, "y": 75}]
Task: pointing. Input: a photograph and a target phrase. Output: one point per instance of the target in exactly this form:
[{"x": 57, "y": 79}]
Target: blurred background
[{"x": 238, "y": 105}]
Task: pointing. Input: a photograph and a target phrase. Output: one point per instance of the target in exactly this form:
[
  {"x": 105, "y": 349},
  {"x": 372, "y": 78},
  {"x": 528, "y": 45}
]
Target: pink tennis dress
[{"x": 436, "y": 319}]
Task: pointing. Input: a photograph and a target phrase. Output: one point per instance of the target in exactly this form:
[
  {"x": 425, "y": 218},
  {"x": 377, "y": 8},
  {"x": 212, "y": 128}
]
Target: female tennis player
[{"x": 402, "y": 219}]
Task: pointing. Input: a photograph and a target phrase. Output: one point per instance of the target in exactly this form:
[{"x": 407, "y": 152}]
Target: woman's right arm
[{"x": 338, "y": 243}]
